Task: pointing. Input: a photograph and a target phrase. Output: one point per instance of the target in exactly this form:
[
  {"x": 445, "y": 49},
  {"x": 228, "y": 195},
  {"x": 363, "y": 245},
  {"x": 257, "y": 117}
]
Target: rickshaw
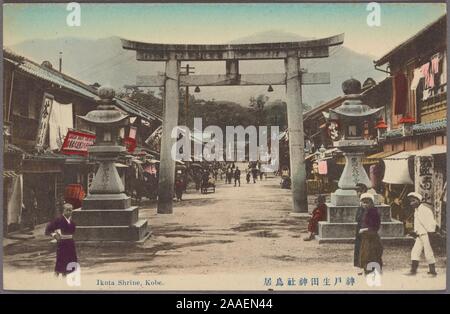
[{"x": 196, "y": 171}]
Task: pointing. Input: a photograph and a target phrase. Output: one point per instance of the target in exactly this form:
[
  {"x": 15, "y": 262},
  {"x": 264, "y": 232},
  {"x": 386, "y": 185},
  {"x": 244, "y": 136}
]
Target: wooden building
[
  {"x": 416, "y": 118},
  {"x": 40, "y": 104}
]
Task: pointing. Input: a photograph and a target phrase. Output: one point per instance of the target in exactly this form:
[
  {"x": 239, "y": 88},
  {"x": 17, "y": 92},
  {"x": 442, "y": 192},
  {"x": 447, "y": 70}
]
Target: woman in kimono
[
  {"x": 62, "y": 230},
  {"x": 318, "y": 214},
  {"x": 179, "y": 188},
  {"x": 371, "y": 250},
  {"x": 361, "y": 188}
]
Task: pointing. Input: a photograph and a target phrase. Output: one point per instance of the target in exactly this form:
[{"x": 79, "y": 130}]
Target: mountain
[{"x": 104, "y": 61}]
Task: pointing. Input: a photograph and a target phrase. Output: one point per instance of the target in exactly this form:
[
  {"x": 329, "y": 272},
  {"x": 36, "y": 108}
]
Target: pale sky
[{"x": 221, "y": 23}]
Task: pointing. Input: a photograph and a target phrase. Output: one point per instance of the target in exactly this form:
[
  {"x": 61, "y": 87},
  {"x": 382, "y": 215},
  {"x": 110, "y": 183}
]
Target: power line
[{"x": 90, "y": 68}]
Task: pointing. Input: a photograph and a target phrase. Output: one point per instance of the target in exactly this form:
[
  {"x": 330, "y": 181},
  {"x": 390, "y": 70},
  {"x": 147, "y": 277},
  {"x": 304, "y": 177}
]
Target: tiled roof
[
  {"x": 51, "y": 76},
  {"x": 430, "y": 127},
  {"x": 394, "y": 133},
  {"x": 47, "y": 155},
  {"x": 420, "y": 128},
  {"x": 439, "y": 25},
  {"x": 65, "y": 81},
  {"x": 137, "y": 110}
]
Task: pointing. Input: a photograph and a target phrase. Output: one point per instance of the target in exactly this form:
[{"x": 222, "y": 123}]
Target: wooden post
[
  {"x": 170, "y": 121},
  {"x": 296, "y": 135}
]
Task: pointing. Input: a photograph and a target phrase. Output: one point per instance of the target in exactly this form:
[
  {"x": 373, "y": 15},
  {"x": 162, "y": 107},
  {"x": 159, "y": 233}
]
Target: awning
[
  {"x": 397, "y": 168},
  {"x": 78, "y": 160},
  {"x": 120, "y": 165},
  {"x": 310, "y": 156},
  {"x": 401, "y": 155},
  {"x": 365, "y": 161},
  {"x": 42, "y": 166},
  {"x": 432, "y": 150},
  {"x": 381, "y": 155},
  {"x": 330, "y": 151}
]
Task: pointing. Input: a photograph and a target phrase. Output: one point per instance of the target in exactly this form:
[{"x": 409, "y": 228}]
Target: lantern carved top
[
  {"x": 352, "y": 107},
  {"x": 106, "y": 112},
  {"x": 351, "y": 87}
]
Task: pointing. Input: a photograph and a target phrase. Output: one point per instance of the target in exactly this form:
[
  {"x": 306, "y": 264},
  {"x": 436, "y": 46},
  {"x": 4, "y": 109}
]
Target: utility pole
[
  {"x": 60, "y": 61},
  {"x": 188, "y": 71}
]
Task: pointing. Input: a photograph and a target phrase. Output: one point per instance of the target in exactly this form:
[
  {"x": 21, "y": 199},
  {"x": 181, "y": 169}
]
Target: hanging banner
[
  {"x": 323, "y": 167},
  {"x": 15, "y": 200},
  {"x": 130, "y": 141},
  {"x": 76, "y": 143},
  {"x": 438, "y": 193},
  {"x": 154, "y": 140},
  {"x": 44, "y": 120},
  {"x": 397, "y": 168},
  {"x": 60, "y": 122},
  {"x": 130, "y": 144}
]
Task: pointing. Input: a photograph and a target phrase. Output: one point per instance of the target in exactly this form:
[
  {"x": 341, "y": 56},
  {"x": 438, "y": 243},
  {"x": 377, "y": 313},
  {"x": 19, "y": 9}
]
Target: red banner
[
  {"x": 76, "y": 143},
  {"x": 130, "y": 144},
  {"x": 323, "y": 167}
]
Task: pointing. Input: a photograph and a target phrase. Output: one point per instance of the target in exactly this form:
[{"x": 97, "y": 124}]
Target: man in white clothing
[{"x": 424, "y": 223}]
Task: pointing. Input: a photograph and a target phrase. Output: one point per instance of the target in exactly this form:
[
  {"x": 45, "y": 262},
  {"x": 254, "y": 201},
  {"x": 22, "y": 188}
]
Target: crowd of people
[{"x": 368, "y": 247}]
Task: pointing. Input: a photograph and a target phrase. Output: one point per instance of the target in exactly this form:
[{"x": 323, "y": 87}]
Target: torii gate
[{"x": 293, "y": 78}]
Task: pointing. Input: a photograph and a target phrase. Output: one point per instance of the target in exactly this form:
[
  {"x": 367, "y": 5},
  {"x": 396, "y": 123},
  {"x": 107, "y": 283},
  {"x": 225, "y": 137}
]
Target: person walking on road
[
  {"x": 229, "y": 175},
  {"x": 424, "y": 223},
  {"x": 371, "y": 249},
  {"x": 254, "y": 174},
  {"x": 361, "y": 189},
  {"x": 62, "y": 230},
  {"x": 237, "y": 176}
]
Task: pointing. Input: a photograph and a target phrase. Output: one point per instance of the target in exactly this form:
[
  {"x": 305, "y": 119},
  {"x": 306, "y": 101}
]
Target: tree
[
  {"x": 257, "y": 105},
  {"x": 275, "y": 113},
  {"x": 144, "y": 98}
]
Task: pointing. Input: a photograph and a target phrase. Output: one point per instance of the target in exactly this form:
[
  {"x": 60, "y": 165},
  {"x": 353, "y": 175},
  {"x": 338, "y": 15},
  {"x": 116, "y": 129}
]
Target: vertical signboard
[{"x": 44, "y": 118}]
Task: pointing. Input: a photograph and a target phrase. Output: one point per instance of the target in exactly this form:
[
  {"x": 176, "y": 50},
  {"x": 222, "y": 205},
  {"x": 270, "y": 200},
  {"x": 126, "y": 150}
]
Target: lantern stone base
[
  {"x": 106, "y": 201},
  {"x": 109, "y": 217},
  {"x": 343, "y": 197},
  {"x": 340, "y": 225},
  {"x": 132, "y": 233}
]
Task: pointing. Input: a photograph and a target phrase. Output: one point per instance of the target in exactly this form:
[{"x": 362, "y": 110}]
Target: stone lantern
[
  {"x": 106, "y": 213},
  {"x": 353, "y": 117}
]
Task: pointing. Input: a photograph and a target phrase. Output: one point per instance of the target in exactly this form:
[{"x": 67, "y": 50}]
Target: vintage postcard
[{"x": 224, "y": 147}]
